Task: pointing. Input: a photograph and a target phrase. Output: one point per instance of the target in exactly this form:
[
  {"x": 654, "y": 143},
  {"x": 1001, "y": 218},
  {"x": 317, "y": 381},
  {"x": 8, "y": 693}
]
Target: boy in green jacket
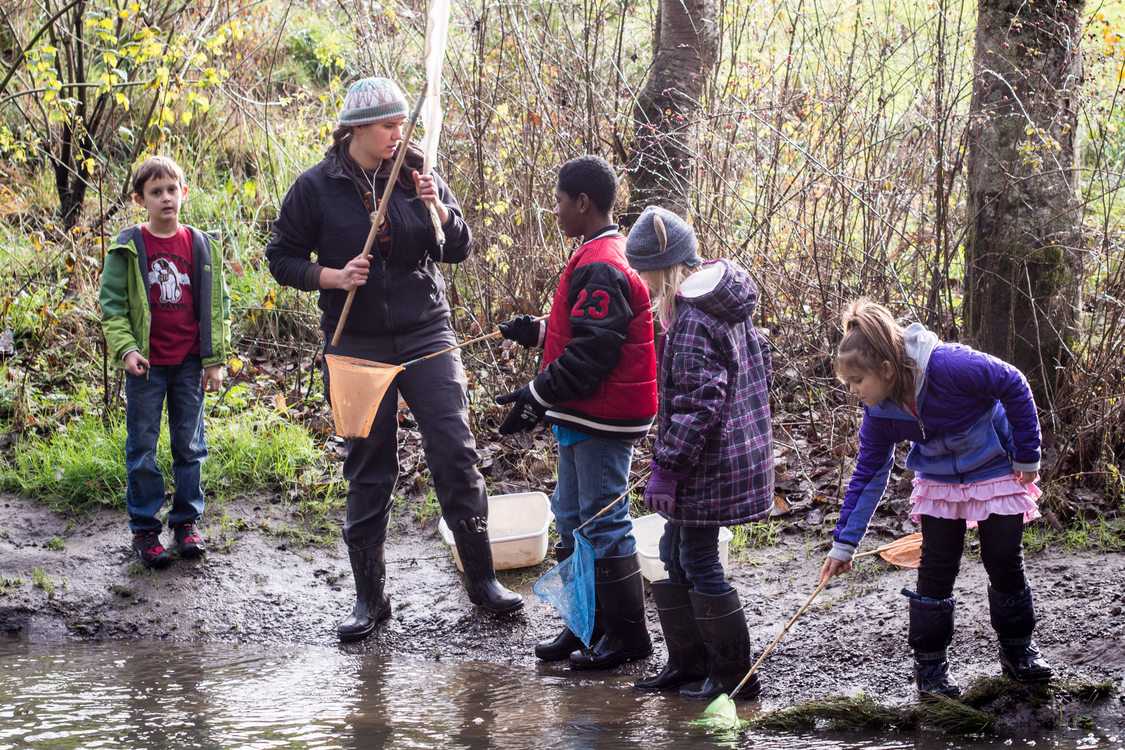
[{"x": 166, "y": 318}]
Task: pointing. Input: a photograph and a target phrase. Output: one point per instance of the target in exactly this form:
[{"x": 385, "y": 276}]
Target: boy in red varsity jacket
[{"x": 597, "y": 388}]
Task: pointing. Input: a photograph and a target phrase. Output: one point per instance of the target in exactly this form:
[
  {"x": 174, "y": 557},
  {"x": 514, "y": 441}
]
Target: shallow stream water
[{"x": 125, "y": 694}]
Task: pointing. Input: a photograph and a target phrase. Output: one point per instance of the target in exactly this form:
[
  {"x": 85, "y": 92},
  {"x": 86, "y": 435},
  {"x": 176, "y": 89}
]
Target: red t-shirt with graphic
[{"x": 174, "y": 333}]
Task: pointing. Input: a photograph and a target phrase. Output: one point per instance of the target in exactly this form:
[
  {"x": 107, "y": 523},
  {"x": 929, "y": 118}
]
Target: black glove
[
  {"x": 526, "y": 413},
  {"x": 524, "y": 330}
]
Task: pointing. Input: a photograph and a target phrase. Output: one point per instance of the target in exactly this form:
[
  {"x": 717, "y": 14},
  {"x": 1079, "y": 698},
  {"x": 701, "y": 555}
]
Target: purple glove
[{"x": 660, "y": 491}]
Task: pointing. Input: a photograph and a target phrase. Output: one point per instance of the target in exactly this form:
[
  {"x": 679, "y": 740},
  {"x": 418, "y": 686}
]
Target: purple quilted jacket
[
  {"x": 714, "y": 420},
  {"x": 976, "y": 420}
]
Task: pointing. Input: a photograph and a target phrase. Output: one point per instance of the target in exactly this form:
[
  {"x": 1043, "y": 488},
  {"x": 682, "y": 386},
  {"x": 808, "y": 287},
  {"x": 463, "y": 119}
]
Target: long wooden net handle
[
  {"x": 618, "y": 499},
  {"x": 492, "y": 335},
  {"x": 785, "y": 630},
  {"x": 890, "y": 547},
  {"x": 404, "y": 145},
  {"x": 897, "y": 544}
]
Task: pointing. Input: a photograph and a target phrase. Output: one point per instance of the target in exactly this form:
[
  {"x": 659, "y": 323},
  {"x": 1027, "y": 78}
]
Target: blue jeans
[
  {"x": 691, "y": 555},
  {"x": 182, "y": 387},
  {"x": 592, "y": 472}
]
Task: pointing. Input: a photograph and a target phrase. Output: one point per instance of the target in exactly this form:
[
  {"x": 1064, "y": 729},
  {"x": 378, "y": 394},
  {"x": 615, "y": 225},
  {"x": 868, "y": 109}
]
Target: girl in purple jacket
[
  {"x": 712, "y": 460},
  {"x": 974, "y": 435}
]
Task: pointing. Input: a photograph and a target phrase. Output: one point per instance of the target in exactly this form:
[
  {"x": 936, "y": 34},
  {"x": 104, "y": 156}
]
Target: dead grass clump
[
  {"x": 985, "y": 690},
  {"x": 837, "y": 712},
  {"x": 953, "y": 717},
  {"x": 1090, "y": 692},
  {"x": 844, "y": 713}
]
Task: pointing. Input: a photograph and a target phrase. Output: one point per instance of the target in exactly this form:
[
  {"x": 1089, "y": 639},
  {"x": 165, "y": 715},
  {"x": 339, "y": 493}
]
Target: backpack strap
[
  {"x": 201, "y": 271},
  {"x": 133, "y": 234}
]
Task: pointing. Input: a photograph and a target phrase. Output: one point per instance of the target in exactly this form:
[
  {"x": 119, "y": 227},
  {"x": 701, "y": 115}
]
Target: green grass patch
[
  {"x": 258, "y": 450},
  {"x": 41, "y": 580},
  {"x": 1081, "y": 535},
  {"x": 7, "y": 584},
  {"x": 79, "y": 465},
  {"x": 753, "y": 535},
  {"x": 82, "y": 464}
]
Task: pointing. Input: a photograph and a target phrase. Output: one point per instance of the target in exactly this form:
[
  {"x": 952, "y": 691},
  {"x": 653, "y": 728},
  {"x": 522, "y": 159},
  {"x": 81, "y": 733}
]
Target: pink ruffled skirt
[{"x": 974, "y": 501}]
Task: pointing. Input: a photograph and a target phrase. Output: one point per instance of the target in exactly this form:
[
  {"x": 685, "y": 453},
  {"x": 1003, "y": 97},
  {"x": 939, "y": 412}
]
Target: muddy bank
[{"x": 253, "y": 587}]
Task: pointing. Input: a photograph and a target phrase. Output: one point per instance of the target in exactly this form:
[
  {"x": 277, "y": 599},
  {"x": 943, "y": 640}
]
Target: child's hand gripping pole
[{"x": 382, "y": 212}]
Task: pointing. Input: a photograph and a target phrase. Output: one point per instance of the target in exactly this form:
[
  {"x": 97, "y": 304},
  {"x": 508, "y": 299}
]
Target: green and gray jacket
[{"x": 126, "y": 317}]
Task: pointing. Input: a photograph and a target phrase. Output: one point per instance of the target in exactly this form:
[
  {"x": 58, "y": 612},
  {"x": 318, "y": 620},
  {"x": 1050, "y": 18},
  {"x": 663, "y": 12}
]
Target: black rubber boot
[
  {"x": 931, "y": 632},
  {"x": 722, "y": 627},
  {"x": 620, "y": 593},
  {"x": 562, "y": 645},
  {"x": 372, "y": 606},
  {"x": 1013, "y": 619},
  {"x": 475, "y": 552},
  {"x": 687, "y": 656}
]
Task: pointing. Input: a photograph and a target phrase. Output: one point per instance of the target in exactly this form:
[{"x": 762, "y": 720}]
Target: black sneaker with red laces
[
  {"x": 188, "y": 541},
  {"x": 149, "y": 549}
]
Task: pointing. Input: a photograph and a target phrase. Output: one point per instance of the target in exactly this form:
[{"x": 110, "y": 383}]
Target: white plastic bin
[
  {"x": 517, "y": 529},
  {"x": 648, "y": 530}
]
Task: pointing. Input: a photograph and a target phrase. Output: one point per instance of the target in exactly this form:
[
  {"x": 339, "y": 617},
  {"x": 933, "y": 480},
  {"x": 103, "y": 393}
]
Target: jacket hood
[
  {"x": 920, "y": 344},
  {"x": 721, "y": 289}
]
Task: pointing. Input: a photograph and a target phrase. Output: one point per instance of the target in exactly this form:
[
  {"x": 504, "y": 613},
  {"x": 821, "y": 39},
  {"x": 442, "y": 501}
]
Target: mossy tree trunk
[
  {"x": 1023, "y": 256},
  {"x": 662, "y": 152}
]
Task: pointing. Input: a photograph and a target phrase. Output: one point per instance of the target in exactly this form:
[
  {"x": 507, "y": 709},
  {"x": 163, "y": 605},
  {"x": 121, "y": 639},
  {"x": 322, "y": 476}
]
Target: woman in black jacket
[{"x": 399, "y": 313}]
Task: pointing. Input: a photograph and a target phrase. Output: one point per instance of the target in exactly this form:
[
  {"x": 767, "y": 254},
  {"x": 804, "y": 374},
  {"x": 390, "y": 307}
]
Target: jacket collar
[
  {"x": 610, "y": 230},
  {"x": 920, "y": 344}
]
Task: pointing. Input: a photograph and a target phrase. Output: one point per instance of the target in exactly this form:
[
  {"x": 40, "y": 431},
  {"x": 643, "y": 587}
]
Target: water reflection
[{"x": 148, "y": 695}]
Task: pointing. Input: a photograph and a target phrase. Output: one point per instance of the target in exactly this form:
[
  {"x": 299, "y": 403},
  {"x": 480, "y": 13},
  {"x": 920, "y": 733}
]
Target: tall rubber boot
[
  {"x": 687, "y": 656},
  {"x": 1013, "y": 619},
  {"x": 566, "y": 642},
  {"x": 372, "y": 606},
  {"x": 722, "y": 626},
  {"x": 931, "y": 632},
  {"x": 620, "y": 593},
  {"x": 475, "y": 552}
]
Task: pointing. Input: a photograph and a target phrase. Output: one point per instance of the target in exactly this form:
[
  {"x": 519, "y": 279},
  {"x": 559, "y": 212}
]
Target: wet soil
[{"x": 254, "y": 587}]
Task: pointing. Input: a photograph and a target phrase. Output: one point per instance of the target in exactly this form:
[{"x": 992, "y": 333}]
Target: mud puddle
[
  {"x": 257, "y": 595},
  {"x": 145, "y": 694}
]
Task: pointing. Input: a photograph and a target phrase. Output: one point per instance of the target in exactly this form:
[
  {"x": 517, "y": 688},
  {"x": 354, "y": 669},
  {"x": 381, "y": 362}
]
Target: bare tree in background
[
  {"x": 663, "y": 148},
  {"x": 1023, "y": 254}
]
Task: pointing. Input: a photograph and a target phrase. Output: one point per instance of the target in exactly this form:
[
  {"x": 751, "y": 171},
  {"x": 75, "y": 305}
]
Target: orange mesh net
[
  {"x": 905, "y": 552},
  {"x": 356, "y": 388}
]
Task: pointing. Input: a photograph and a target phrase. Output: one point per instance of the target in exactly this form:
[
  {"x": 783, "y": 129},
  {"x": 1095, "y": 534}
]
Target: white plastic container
[
  {"x": 648, "y": 529},
  {"x": 517, "y": 528}
]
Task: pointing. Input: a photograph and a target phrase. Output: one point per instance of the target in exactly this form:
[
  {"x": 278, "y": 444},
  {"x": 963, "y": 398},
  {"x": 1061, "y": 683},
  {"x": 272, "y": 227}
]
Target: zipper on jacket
[
  {"x": 382, "y": 262},
  {"x": 913, "y": 411}
]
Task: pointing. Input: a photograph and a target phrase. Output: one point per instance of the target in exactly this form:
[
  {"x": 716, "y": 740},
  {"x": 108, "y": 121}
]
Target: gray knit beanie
[
  {"x": 643, "y": 247},
  {"x": 372, "y": 100}
]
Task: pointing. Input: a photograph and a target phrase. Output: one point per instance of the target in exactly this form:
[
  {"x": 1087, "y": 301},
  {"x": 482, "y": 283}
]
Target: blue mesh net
[{"x": 569, "y": 586}]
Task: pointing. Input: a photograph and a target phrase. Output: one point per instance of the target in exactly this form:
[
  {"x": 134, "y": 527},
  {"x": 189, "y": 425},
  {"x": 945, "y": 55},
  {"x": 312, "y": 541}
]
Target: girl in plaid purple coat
[{"x": 713, "y": 457}]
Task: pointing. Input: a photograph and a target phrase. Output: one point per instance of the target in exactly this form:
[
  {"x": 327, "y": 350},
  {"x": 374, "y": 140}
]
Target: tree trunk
[
  {"x": 663, "y": 149},
  {"x": 1023, "y": 253}
]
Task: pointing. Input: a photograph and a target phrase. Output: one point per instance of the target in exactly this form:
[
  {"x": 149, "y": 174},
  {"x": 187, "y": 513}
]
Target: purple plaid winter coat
[{"x": 714, "y": 420}]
